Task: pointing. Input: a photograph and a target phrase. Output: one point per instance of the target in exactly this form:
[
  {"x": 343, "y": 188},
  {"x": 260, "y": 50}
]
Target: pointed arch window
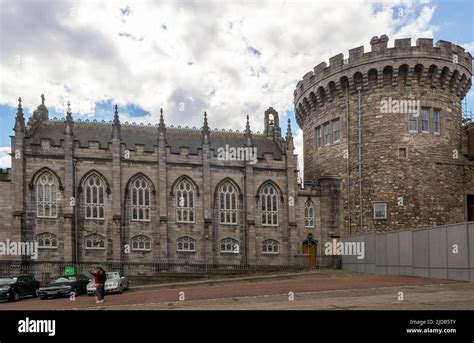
[
  {"x": 46, "y": 196},
  {"x": 269, "y": 199},
  {"x": 271, "y": 246},
  {"x": 47, "y": 240},
  {"x": 94, "y": 197},
  {"x": 185, "y": 202},
  {"x": 141, "y": 243},
  {"x": 228, "y": 203},
  {"x": 308, "y": 214},
  {"x": 229, "y": 246},
  {"x": 186, "y": 244},
  {"x": 95, "y": 242},
  {"x": 140, "y": 200}
]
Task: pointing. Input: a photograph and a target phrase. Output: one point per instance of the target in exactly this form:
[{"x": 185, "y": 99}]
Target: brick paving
[{"x": 234, "y": 289}]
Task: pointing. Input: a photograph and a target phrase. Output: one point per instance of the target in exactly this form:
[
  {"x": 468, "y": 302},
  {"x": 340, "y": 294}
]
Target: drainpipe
[
  {"x": 244, "y": 224},
  {"x": 348, "y": 162},
  {"x": 74, "y": 214},
  {"x": 361, "y": 215}
]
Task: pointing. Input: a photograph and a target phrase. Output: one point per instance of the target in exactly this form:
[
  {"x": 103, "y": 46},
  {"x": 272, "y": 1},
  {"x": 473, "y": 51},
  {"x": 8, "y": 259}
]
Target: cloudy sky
[{"x": 229, "y": 58}]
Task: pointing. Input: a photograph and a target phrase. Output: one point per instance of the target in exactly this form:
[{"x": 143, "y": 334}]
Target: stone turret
[{"x": 388, "y": 172}]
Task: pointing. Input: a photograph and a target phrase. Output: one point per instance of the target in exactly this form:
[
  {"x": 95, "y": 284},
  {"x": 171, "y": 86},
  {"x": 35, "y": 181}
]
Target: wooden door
[{"x": 310, "y": 250}]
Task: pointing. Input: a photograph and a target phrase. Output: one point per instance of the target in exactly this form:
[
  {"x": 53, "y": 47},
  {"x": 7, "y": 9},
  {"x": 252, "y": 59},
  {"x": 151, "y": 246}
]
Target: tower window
[
  {"x": 412, "y": 122},
  {"x": 402, "y": 153},
  {"x": 436, "y": 121},
  {"x": 336, "y": 130},
  {"x": 380, "y": 210},
  {"x": 425, "y": 120},
  {"x": 318, "y": 137},
  {"x": 326, "y": 134}
]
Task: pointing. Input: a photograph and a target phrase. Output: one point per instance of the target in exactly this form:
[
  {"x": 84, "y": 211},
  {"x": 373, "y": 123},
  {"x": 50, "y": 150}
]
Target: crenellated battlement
[{"x": 444, "y": 65}]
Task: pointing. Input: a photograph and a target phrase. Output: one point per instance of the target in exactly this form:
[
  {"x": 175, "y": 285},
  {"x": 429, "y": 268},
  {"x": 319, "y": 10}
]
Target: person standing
[{"x": 99, "y": 279}]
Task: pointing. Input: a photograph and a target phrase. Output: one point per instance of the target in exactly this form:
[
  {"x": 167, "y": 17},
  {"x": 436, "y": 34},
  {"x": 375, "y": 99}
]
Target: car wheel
[
  {"x": 120, "y": 289},
  {"x": 16, "y": 296},
  {"x": 43, "y": 298}
]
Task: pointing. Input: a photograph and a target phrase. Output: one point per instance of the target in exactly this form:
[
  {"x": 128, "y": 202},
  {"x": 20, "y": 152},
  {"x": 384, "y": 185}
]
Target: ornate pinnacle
[
  {"x": 116, "y": 124},
  {"x": 289, "y": 137},
  {"x": 205, "y": 130},
  {"x": 69, "y": 122},
  {"x": 20, "y": 119}
]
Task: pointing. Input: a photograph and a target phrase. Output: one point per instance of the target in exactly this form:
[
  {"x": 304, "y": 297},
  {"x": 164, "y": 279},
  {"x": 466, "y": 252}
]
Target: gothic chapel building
[{"x": 87, "y": 190}]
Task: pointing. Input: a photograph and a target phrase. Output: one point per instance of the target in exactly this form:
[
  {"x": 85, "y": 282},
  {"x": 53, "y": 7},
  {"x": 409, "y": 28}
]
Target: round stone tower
[{"x": 389, "y": 123}]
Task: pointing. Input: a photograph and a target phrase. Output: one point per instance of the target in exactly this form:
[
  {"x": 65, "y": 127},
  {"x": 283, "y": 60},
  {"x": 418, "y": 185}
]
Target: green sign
[{"x": 69, "y": 271}]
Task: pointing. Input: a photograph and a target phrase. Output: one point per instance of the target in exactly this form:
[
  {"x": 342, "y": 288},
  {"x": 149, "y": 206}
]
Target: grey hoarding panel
[
  {"x": 370, "y": 248},
  {"x": 393, "y": 258},
  {"x": 438, "y": 248},
  {"x": 423, "y": 272},
  {"x": 420, "y": 249},
  {"x": 405, "y": 245},
  {"x": 457, "y": 246},
  {"x": 381, "y": 249},
  {"x": 458, "y": 274},
  {"x": 406, "y": 271},
  {"x": 471, "y": 245},
  {"x": 393, "y": 270},
  {"x": 370, "y": 268},
  {"x": 439, "y": 273}
]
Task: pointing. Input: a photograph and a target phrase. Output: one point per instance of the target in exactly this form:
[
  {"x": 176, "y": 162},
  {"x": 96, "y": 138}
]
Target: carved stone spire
[
  {"x": 248, "y": 133},
  {"x": 69, "y": 121},
  {"x": 116, "y": 125},
  {"x": 289, "y": 137},
  {"x": 205, "y": 131},
  {"x": 162, "y": 128},
  {"x": 20, "y": 119},
  {"x": 42, "y": 109}
]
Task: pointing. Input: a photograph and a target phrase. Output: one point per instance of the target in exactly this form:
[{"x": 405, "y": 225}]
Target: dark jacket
[{"x": 99, "y": 277}]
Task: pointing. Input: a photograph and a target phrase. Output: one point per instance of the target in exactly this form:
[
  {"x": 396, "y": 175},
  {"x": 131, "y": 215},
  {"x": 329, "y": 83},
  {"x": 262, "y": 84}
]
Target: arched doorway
[{"x": 310, "y": 248}]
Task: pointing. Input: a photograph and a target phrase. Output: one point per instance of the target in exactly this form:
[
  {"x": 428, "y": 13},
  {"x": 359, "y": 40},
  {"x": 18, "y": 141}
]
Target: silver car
[{"x": 114, "y": 283}]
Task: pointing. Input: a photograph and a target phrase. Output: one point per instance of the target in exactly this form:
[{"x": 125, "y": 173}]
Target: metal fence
[{"x": 44, "y": 271}]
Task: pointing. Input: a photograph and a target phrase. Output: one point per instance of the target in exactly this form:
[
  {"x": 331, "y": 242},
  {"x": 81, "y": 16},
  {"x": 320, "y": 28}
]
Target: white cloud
[
  {"x": 469, "y": 47},
  {"x": 202, "y": 54},
  {"x": 5, "y": 159}
]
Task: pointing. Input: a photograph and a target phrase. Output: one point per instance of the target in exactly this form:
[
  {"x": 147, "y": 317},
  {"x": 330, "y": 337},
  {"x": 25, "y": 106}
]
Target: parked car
[
  {"x": 114, "y": 283},
  {"x": 63, "y": 286},
  {"x": 13, "y": 288}
]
